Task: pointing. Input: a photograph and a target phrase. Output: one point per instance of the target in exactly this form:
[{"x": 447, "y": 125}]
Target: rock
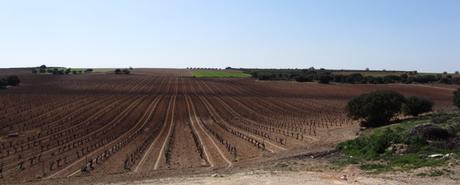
[
  {"x": 217, "y": 175},
  {"x": 449, "y": 155},
  {"x": 398, "y": 148},
  {"x": 344, "y": 177},
  {"x": 435, "y": 155}
]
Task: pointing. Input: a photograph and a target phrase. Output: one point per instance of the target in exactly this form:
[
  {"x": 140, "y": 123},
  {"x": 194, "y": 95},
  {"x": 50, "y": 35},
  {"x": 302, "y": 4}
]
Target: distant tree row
[
  {"x": 306, "y": 75},
  {"x": 9, "y": 81},
  {"x": 43, "y": 69},
  {"x": 204, "y": 68},
  {"x": 326, "y": 76}
]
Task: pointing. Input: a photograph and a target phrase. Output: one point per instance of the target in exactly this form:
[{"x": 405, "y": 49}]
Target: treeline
[
  {"x": 306, "y": 75},
  {"x": 9, "y": 81},
  {"x": 43, "y": 69},
  {"x": 326, "y": 76}
]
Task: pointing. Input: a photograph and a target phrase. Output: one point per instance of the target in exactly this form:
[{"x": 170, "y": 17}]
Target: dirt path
[{"x": 291, "y": 178}]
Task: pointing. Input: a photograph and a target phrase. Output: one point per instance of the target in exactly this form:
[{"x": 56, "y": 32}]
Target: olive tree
[{"x": 375, "y": 108}]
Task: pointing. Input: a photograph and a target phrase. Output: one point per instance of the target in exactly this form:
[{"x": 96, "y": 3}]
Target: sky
[{"x": 419, "y": 35}]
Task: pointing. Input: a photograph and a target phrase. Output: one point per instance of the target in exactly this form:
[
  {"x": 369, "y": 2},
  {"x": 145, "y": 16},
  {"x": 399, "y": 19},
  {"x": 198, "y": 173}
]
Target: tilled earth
[{"x": 164, "y": 123}]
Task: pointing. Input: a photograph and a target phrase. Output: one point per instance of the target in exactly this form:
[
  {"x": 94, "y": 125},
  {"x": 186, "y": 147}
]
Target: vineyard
[{"x": 165, "y": 120}]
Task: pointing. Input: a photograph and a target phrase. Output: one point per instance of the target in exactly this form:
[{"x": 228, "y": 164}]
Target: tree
[
  {"x": 13, "y": 80},
  {"x": 355, "y": 78},
  {"x": 416, "y": 105},
  {"x": 376, "y": 108},
  {"x": 42, "y": 69},
  {"x": 55, "y": 71},
  {"x": 457, "y": 98}
]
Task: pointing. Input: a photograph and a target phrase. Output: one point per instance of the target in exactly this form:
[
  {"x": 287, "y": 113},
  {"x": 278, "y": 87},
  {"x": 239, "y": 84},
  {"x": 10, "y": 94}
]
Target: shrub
[
  {"x": 457, "y": 98},
  {"x": 372, "y": 146},
  {"x": 117, "y": 71},
  {"x": 13, "y": 80},
  {"x": 339, "y": 78},
  {"x": 416, "y": 105},
  {"x": 376, "y": 108},
  {"x": 391, "y": 79},
  {"x": 355, "y": 78},
  {"x": 438, "y": 118}
]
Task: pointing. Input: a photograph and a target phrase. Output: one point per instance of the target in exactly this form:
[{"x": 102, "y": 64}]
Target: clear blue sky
[{"x": 419, "y": 35}]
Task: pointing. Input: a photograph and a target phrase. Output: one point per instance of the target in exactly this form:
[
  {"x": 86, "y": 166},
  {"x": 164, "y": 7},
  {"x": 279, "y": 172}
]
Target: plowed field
[{"x": 166, "y": 121}]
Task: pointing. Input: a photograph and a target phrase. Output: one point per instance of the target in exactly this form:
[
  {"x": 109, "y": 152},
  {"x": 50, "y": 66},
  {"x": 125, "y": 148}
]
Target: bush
[
  {"x": 126, "y": 71},
  {"x": 13, "y": 80},
  {"x": 376, "y": 108},
  {"x": 438, "y": 118},
  {"x": 372, "y": 146},
  {"x": 117, "y": 71},
  {"x": 416, "y": 105},
  {"x": 355, "y": 78},
  {"x": 457, "y": 98}
]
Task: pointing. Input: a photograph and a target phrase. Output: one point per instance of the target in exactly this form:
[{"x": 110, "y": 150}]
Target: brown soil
[{"x": 164, "y": 123}]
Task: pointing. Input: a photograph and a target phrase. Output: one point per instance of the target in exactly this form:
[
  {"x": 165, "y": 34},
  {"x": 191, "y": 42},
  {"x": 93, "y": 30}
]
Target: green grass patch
[
  {"x": 219, "y": 74},
  {"x": 370, "y": 150}
]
